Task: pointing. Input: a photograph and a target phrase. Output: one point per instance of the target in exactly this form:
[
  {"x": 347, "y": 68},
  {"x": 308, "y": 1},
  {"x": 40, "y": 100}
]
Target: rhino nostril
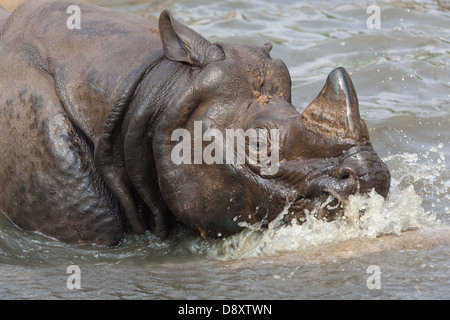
[
  {"x": 344, "y": 176},
  {"x": 346, "y": 173}
]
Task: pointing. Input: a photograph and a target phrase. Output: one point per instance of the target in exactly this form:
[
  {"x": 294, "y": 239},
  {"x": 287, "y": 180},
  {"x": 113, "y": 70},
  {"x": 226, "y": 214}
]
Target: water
[{"x": 401, "y": 75}]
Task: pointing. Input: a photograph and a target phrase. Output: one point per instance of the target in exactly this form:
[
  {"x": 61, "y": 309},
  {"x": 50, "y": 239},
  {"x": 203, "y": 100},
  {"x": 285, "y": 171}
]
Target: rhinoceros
[{"x": 88, "y": 116}]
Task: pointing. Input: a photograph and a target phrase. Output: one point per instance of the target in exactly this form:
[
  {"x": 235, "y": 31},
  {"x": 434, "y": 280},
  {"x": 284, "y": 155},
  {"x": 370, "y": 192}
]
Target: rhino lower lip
[
  {"x": 335, "y": 195},
  {"x": 328, "y": 205},
  {"x": 327, "y": 185},
  {"x": 324, "y": 197}
]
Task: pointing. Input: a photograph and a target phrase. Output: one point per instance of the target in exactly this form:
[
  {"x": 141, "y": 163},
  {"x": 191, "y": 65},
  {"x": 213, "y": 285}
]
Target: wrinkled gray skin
[{"x": 86, "y": 118}]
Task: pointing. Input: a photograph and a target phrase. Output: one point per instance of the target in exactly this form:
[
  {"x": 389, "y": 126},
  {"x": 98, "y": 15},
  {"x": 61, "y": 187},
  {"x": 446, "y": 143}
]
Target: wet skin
[{"x": 87, "y": 118}]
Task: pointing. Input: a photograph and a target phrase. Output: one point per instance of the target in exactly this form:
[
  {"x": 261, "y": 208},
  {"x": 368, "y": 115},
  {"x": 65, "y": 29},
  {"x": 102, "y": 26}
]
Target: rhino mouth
[
  {"x": 329, "y": 206},
  {"x": 325, "y": 199}
]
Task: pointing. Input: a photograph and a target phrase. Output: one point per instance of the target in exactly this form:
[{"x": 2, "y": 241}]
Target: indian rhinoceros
[{"x": 89, "y": 116}]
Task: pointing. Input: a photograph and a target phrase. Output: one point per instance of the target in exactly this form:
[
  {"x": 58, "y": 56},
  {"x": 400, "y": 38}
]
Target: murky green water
[{"x": 401, "y": 74}]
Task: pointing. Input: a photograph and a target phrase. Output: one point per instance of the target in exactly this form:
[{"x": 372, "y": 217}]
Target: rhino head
[{"x": 321, "y": 154}]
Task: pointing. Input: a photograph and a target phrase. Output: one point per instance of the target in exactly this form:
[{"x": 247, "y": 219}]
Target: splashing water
[{"x": 365, "y": 216}]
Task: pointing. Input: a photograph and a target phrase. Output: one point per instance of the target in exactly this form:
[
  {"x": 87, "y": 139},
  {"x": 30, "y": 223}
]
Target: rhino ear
[{"x": 183, "y": 44}]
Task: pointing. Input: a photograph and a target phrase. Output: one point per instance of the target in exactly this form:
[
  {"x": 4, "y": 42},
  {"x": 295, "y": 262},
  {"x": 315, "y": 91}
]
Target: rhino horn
[{"x": 335, "y": 111}]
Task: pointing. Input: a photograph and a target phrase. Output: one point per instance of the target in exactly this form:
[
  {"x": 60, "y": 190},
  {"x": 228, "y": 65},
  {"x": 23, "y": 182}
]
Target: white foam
[{"x": 365, "y": 216}]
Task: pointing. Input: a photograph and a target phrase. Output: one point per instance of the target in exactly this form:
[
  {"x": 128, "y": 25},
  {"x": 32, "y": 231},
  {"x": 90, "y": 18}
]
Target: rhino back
[{"x": 93, "y": 66}]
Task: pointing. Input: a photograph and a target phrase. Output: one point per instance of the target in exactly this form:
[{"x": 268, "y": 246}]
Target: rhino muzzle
[{"x": 336, "y": 128}]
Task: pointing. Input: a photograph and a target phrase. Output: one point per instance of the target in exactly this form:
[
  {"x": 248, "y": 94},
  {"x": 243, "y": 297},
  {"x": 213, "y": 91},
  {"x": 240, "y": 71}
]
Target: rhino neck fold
[
  {"x": 109, "y": 154},
  {"x": 138, "y": 128}
]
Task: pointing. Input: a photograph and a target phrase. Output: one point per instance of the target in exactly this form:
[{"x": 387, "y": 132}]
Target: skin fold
[{"x": 87, "y": 117}]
